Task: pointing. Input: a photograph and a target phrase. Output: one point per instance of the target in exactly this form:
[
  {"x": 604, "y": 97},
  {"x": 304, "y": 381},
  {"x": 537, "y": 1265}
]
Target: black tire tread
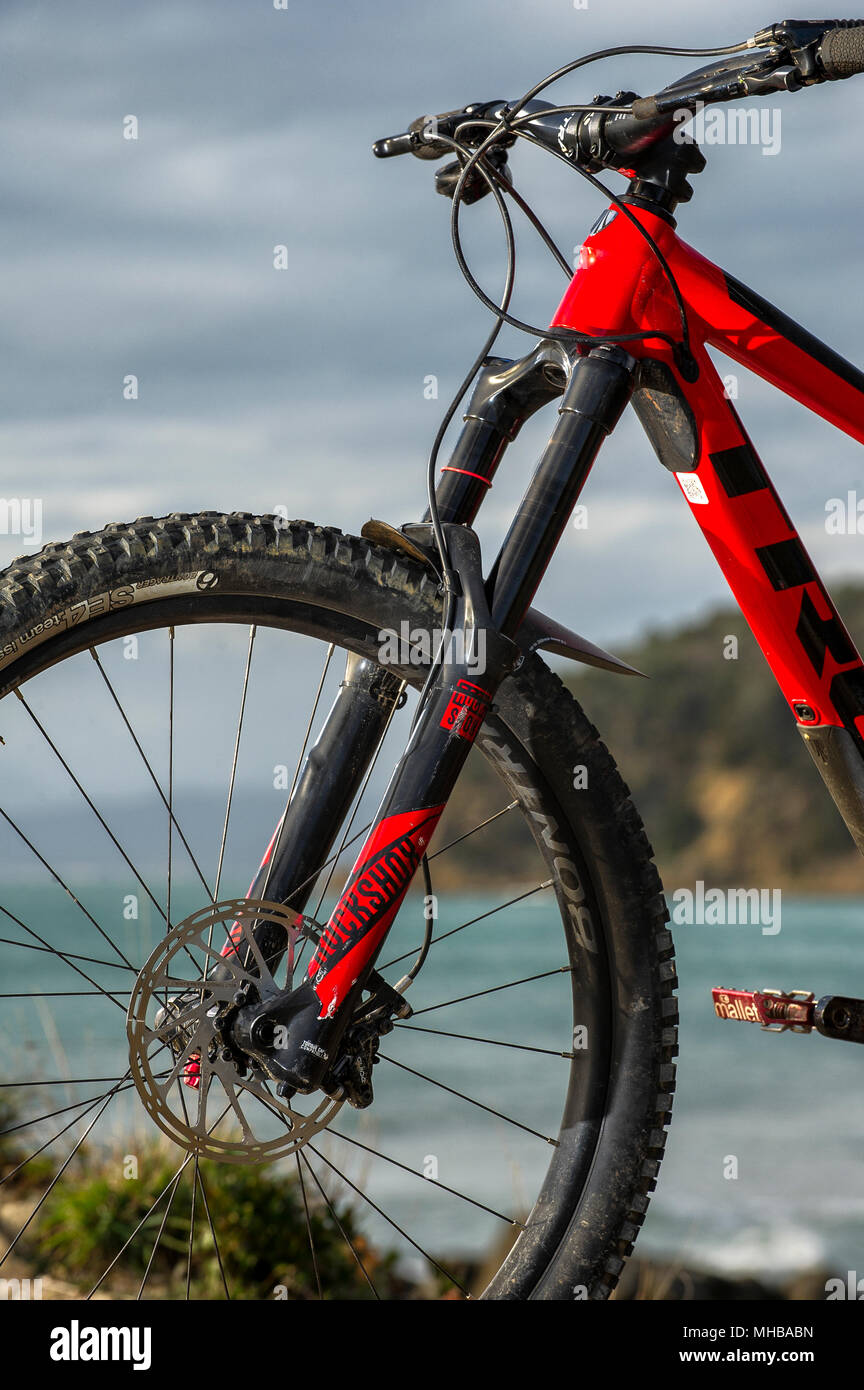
[{"x": 34, "y": 586}]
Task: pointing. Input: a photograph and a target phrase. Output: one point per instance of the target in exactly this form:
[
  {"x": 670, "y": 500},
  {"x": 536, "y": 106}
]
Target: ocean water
[
  {"x": 764, "y": 1172},
  {"x": 787, "y": 1107}
]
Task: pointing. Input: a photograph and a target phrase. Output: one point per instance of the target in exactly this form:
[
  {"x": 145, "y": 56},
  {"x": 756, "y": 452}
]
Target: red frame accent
[
  {"x": 359, "y": 922},
  {"x": 487, "y": 482},
  {"x": 620, "y": 287}
]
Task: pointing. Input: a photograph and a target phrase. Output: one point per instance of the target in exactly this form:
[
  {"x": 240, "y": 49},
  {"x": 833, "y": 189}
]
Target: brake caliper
[{"x": 350, "y": 1077}]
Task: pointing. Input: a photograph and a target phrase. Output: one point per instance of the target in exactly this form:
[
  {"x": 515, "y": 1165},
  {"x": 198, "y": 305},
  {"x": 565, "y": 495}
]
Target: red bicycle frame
[{"x": 620, "y": 287}]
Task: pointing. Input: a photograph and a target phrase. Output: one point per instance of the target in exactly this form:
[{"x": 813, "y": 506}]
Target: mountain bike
[{"x": 257, "y": 1025}]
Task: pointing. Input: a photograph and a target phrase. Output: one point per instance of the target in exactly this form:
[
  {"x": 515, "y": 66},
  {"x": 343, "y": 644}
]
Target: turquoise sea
[{"x": 764, "y": 1170}]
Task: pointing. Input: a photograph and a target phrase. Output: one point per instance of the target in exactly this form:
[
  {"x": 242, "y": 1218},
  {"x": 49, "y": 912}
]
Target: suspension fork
[
  {"x": 331, "y": 776},
  {"x": 319, "y": 802},
  {"x": 311, "y": 1018},
  {"x": 505, "y": 395}
]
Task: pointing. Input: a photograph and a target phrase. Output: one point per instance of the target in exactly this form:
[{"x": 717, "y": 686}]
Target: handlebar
[
  {"x": 841, "y": 52},
  {"x": 789, "y": 55},
  {"x": 392, "y": 145}
]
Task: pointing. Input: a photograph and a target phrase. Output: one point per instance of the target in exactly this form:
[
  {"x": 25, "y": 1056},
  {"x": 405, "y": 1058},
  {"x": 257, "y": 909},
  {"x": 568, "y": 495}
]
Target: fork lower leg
[{"x": 312, "y": 1017}]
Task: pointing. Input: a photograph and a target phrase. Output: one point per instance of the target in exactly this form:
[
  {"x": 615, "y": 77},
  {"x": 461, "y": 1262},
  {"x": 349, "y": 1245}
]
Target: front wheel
[{"x": 152, "y": 703}]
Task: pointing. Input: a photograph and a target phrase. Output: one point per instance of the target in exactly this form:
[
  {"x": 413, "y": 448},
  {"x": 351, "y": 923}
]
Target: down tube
[{"x": 780, "y": 593}]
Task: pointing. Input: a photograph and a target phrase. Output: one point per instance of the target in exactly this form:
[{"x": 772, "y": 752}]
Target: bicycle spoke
[
  {"x": 65, "y": 887},
  {"x": 501, "y": 907},
  {"x": 473, "y": 831},
  {"x": 308, "y": 1225},
  {"x": 364, "y": 784},
  {"x": 166, "y": 1214},
  {"x": 187, "y": 1160},
  {"x": 52, "y": 950},
  {"x": 191, "y": 1229},
  {"x": 65, "y": 994},
  {"x": 60, "y": 1172},
  {"x": 101, "y": 819},
  {"x": 50, "y": 1114},
  {"x": 252, "y": 631},
  {"x": 493, "y": 1042},
  {"x": 203, "y": 1191},
  {"x": 172, "y": 823},
  {"x": 470, "y": 1099},
  {"x": 171, "y": 783},
  {"x": 148, "y": 1213},
  {"x": 509, "y": 1220},
  {"x": 478, "y": 994},
  {"x": 148, "y": 766},
  {"x": 68, "y": 959},
  {"x": 366, "y": 1198},
  {"x": 123, "y": 1083},
  {"x": 345, "y": 1236},
  {"x": 323, "y": 677},
  {"x": 48, "y": 1142},
  {"x": 297, "y": 1154},
  {"x": 63, "y": 1081}
]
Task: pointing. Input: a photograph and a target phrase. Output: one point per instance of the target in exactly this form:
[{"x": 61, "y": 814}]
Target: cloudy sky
[{"x": 304, "y": 388}]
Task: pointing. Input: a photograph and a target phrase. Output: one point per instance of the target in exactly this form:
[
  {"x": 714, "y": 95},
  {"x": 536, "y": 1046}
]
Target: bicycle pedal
[{"x": 793, "y": 1011}]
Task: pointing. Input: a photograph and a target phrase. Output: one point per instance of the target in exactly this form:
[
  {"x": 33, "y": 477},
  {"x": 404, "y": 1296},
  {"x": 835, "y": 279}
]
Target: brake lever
[
  {"x": 421, "y": 137},
  {"x": 475, "y": 186},
  {"x": 764, "y": 76},
  {"x": 785, "y": 79},
  {"x": 799, "y": 40}
]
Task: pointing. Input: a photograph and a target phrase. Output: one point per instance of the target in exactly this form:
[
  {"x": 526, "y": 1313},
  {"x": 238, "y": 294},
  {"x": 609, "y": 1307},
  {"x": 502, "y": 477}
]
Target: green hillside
[{"x": 716, "y": 766}]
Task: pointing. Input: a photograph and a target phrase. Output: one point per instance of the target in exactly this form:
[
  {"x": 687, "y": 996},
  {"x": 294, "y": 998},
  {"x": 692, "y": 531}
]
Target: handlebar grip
[
  {"x": 841, "y": 52},
  {"x": 392, "y": 145},
  {"x": 645, "y": 108}
]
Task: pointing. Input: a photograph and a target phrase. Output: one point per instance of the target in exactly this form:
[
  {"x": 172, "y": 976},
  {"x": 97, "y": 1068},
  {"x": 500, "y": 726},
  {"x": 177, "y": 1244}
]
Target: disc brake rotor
[{"x": 194, "y": 1085}]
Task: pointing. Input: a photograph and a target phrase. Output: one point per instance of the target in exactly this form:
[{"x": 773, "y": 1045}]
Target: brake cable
[
  {"x": 643, "y": 231},
  {"x": 564, "y": 334},
  {"x": 474, "y": 159},
  {"x": 434, "y": 513},
  {"x": 507, "y": 126},
  {"x": 634, "y": 48},
  {"x": 525, "y": 207},
  {"x": 496, "y": 182},
  {"x": 503, "y": 129}
]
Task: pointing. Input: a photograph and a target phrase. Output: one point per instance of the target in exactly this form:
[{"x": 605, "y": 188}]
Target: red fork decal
[
  {"x": 466, "y": 709},
  {"x": 378, "y": 883}
]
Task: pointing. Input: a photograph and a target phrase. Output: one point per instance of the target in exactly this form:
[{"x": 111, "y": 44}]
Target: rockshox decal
[
  {"x": 466, "y": 709},
  {"x": 363, "y": 914}
]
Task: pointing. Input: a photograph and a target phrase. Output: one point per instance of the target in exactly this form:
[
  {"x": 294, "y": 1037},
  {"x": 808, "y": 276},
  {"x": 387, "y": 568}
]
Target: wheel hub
[{"x": 194, "y": 1082}]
